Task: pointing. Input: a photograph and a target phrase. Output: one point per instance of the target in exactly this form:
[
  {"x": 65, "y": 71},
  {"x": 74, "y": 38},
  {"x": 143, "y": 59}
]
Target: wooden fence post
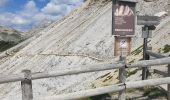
[
  {"x": 122, "y": 78},
  {"x": 26, "y": 86},
  {"x": 168, "y": 90}
]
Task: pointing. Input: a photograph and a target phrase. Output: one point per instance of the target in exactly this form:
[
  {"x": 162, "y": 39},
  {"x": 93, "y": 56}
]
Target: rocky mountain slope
[
  {"x": 10, "y": 35},
  {"x": 83, "y": 37},
  {"x": 9, "y": 38}
]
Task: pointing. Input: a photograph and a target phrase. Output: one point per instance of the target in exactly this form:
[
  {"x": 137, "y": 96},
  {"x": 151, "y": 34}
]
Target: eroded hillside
[{"x": 83, "y": 37}]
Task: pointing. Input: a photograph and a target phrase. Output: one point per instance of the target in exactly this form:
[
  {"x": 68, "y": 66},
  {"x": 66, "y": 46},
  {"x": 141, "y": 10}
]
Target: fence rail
[
  {"x": 108, "y": 89},
  {"x": 149, "y": 52},
  {"x": 84, "y": 69},
  {"x": 26, "y": 79}
]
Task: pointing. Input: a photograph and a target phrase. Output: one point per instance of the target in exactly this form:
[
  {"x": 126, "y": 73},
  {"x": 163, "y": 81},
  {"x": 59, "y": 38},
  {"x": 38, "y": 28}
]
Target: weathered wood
[
  {"x": 84, "y": 69},
  {"x": 78, "y": 70},
  {"x": 26, "y": 86},
  {"x": 161, "y": 73},
  {"x": 107, "y": 89},
  {"x": 85, "y": 93},
  {"x": 122, "y": 78},
  {"x": 11, "y": 78},
  {"x": 147, "y": 23},
  {"x": 74, "y": 70},
  {"x": 155, "y": 54},
  {"x": 145, "y": 56},
  {"x": 168, "y": 90},
  {"x": 148, "y": 20},
  {"x": 150, "y": 82},
  {"x": 155, "y": 62}
]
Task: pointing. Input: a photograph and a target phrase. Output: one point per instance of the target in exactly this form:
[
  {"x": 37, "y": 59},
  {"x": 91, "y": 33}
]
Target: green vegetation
[
  {"x": 154, "y": 92},
  {"x": 6, "y": 45},
  {"x": 129, "y": 73},
  {"x": 137, "y": 51},
  {"x": 166, "y": 48},
  {"x": 149, "y": 92},
  {"x": 104, "y": 75}
]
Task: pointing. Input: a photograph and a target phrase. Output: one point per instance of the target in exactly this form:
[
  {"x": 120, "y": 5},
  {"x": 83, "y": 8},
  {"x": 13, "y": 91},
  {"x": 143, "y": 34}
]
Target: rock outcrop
[{"x": 83, "y": 37}]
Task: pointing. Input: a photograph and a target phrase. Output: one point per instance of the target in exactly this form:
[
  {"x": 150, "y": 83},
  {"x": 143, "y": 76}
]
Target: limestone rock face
[{"x": 83, "y": 37}]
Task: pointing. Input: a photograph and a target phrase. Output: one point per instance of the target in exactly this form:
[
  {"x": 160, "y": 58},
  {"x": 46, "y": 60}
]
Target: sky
[{"x": 26, "y": 14}]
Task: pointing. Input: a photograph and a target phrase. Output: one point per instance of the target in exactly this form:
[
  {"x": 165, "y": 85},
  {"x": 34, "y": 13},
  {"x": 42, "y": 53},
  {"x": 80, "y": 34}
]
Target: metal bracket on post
[
  {"x": 26, "y": 86},
  {"x": 122, "y": 78}
]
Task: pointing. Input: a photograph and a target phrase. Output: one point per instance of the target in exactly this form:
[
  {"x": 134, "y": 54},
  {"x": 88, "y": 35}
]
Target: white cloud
[
  {"x": 3, "y": 2},
  {"x": 42, "y": 0},
  {"x": 31, "y": 15},
  {"x": 67, "y": 1},
  {"x": 51, "y": 8},
  {"x": 12, "y": 19},
  {"x": 61, "y": 6}
]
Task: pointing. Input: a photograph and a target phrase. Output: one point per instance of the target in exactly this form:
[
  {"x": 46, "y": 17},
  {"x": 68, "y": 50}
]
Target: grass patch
[
  {"x": 149, "y": 92},
  {"x": 166, "y": 48},
  {"x": 129, "y": 73},
  {"x": 154, "y": 92},
  {"x": 137, "y": 51},
  {"x": 103, "y": 76}
]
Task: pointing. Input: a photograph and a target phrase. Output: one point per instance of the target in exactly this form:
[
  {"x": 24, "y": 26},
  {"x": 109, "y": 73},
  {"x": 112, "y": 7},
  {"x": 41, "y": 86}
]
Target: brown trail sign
[
  {"x": 123, "y": 25},
  {"x": 124, "y": 18}
]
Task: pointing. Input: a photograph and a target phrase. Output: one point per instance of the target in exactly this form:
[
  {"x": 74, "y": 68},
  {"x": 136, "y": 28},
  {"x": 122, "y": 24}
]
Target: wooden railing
[
  {"x": 26, "y": 78},
  {"x": 166, "y": 74}
]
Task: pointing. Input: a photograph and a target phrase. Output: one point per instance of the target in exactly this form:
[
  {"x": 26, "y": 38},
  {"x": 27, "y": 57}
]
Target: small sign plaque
[{"x": 122, "y": 46}]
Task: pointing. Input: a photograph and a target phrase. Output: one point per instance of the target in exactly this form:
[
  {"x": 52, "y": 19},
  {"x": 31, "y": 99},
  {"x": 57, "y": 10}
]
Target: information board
[{"x": 124, "y": 18}]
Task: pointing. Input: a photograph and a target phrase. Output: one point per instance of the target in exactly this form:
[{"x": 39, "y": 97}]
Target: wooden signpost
[
  {"x": 123, "y": 28},
  {"x": 149, "y": 23}
]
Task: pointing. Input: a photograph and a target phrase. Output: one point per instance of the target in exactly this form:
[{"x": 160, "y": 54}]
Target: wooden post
[
  {"x": 122, "y": 78},
  {"x": 168, "y": 7},
  {"x": 168, "y": 90},
  {"x": 145, "y": 55},
  {"x": 26, "y": 86}
]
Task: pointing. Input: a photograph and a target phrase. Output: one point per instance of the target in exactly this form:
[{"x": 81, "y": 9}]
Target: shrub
[{"x": 166, "y": 48}]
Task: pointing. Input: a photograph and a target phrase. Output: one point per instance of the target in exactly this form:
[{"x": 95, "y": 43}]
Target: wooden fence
[
  {"x": 26, "y": 78},
  {"x": 166, "y": 74}
]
